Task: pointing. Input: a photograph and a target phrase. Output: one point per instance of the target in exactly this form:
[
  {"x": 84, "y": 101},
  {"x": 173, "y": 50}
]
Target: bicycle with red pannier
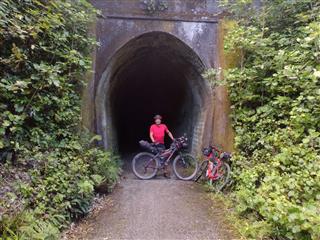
[{"x": 215, "y": 168}]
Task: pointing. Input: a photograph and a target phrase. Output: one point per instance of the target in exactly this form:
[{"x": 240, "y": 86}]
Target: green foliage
[
  {"x": 152, "y": 6},
  {"x": 276, "y": 110},
  {"x": 45, "y": 51},
  {"x": 24, "y": 226},
  {"x": 106, "y": 166},
  {"x": 213, "y": 76},
  {"x": 65, "y": 181}
]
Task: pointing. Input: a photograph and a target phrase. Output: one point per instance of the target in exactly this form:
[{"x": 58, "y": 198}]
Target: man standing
[{"x": 157, "y": 133}]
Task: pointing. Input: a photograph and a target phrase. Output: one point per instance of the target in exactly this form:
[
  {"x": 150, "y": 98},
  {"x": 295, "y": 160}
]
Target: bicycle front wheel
[
  {"x": 145, "y": 165},
  {"x": 201, "y": 173},
  {"x": 224, "y": 177},
  {"x": 185, "y": 166}
]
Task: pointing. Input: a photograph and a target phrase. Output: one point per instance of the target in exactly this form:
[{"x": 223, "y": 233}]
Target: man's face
[{"x": 158, "y": 121}]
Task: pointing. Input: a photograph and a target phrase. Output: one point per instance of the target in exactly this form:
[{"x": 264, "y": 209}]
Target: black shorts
[{"x": 160, "y": 147}]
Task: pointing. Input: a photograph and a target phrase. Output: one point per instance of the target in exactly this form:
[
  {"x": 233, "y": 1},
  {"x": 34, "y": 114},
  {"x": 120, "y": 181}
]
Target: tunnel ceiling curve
[{"x": 155, "y": 73}]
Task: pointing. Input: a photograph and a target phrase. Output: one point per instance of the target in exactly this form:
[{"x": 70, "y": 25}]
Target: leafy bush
[
  {"x": 276, "y": 110},
  {"x": 44, "y": 53},
  {"x": 25, "y": 226}
]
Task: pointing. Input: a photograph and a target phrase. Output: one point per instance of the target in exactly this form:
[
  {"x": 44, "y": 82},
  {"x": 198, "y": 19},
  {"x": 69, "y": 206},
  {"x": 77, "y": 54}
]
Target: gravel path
[{"x": 166, "y": 209}]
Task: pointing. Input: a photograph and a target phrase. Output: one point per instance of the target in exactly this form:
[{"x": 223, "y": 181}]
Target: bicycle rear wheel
[
  {"x": 145, "y": 165},
  {"x": 185, "y": 166},
  {"x": 202, "y": 171},
  {"x": 224, "y": 171}
]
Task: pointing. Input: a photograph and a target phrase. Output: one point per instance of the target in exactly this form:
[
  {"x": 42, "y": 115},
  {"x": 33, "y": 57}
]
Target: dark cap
[{"x": 157, "y": 117}]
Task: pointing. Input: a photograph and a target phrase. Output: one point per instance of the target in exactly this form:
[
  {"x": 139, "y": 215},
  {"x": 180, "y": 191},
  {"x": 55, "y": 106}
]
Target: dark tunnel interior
[{"x": 156, "y": 80}]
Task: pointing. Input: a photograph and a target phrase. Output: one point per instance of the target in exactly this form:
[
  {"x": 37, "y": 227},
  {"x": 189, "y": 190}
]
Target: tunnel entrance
[
  {"x": 154, "y": 73},
  {"x": 151, "y": 85}
]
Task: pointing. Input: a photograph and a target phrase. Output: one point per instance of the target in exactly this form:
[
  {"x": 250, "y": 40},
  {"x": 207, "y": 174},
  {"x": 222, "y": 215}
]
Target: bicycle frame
[
  {"x": 212, "y": 170},
  {"x": 172, "y": 151},
  {"x": 157, "y": 156}
]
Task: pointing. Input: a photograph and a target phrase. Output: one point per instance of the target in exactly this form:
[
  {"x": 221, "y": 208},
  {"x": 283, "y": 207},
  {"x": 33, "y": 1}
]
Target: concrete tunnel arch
[{"x": 153, "y": 73}]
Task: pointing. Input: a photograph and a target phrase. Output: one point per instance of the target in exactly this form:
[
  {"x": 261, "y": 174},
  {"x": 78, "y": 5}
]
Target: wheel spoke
[
  {"x": 185, "y": 167},
  {"x": 222, "y": 179},
  {"x": 144, "y": 165}
]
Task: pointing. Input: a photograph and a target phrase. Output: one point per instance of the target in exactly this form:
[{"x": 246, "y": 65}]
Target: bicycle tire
[
  {"x": 188, "y": 164},
  {"x": 202, "y": 170},
  {"x": 222, "y": 181},
  {"x": 139, "y": 165}
]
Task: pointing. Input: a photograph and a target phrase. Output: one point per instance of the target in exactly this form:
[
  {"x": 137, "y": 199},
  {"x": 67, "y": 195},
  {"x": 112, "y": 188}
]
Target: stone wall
[{"x": 193, "y": 26}]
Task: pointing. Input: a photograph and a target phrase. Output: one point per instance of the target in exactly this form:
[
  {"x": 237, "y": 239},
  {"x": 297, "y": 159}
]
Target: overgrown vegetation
[
  {"x": 275, "y": 94},
  {"x": 48, "y": 167}
]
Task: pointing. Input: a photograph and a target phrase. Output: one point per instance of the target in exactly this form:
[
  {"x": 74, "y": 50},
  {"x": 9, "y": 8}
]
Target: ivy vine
[{"x": 153, "y": 6}]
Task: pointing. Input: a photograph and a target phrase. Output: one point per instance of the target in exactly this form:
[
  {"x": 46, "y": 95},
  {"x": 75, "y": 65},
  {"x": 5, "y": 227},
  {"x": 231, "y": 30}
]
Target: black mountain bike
[{"x": 145, "y": 165}]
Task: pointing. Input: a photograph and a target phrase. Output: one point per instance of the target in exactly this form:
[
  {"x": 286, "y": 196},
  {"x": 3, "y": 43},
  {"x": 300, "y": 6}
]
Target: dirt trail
[{"x": 157, "y": 209}]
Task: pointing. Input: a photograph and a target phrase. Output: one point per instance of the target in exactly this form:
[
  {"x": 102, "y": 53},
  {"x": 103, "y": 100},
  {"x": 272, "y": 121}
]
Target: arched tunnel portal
[{"x": 154, "y": 73}]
